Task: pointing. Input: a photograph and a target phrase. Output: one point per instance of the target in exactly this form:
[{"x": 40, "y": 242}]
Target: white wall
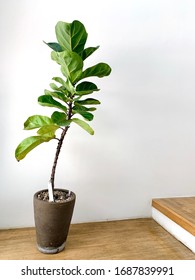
[{"x": 144, "y": 143}]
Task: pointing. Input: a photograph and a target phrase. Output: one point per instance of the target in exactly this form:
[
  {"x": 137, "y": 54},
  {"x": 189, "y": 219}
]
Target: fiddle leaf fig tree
[{"x": 68, "y": 95}]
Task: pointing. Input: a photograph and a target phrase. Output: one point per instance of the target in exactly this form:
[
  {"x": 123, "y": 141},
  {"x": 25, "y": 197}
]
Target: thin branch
[{"x": 59, "y": 146}]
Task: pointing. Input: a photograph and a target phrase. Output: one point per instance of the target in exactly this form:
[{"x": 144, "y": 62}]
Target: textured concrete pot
[{"x": 52, "y": 222}]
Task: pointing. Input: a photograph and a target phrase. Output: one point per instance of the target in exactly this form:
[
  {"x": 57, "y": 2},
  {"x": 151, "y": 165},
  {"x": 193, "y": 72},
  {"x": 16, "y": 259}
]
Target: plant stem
[{"x": 59, "y": 146}]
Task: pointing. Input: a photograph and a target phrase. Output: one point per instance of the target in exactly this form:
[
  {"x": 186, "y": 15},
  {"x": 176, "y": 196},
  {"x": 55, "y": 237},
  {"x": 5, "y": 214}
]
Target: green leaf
[
  {"x": 56, "y": 94},
  {"x": 91, "y": 109},
  {"x": 86, "y": 115},
  {"x": 53, "y": 86},
  {"x": 88, "y": 101},
  {"x": 88, "y": 51},
  {"x": 54, "y": 46},
  {"x": 84, "y": 125},
  {"x": 60, "y": 81},
  {"x": 86, "y": 88},
  {"x": 65, "y": 85},
  {"x": 48, "y": 130},
  {"x": 71, "y": 64},
  {"x": 47, "y": 100},
  {"x": 71, "y": 36},
  {"x": 79, "y": 107},
  {"x": 37, "y": 121},
  {"x": 99, "y": 70},
  {"x": 70, "y": 86},
  {"x": 29, "y": 144},
  {"x": 60, "y": 119},
  {"x": 63, "y": 34},
  {"x": 83, "y": 111}
]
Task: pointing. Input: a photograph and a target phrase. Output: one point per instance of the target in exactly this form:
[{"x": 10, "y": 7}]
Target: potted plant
[{"x": 69, "y": 95}]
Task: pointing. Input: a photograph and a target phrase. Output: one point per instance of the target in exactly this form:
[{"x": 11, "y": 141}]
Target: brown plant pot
[{"x": 52, "y": 222}]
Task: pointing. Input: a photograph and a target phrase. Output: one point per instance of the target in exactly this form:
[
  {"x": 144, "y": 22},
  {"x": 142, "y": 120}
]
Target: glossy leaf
[
  {"x": 88, "y": 101},
  {"x": 99, "y": 70},
  {"x": 71, "y": 36},
  {"x": 71, "y": 64},
  {"x": 85, "y": 88},
  {"x": 47, "y": 100},
  {"x": 79, "y": 107},
  {"x": 84, "y": 125},
  {"x": 88, "y": 51},
  {"x": 86, "y": 115},
  {"x": 29, "y": 144},
  {"x": 37, "y": 121},
  {"x": 54, "y": 46},
  {"x": 60, "y": 119},
  {"x": 48, "y": 130}
]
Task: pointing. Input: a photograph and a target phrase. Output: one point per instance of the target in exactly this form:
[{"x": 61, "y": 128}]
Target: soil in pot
[{"x": 59, "y": 195}]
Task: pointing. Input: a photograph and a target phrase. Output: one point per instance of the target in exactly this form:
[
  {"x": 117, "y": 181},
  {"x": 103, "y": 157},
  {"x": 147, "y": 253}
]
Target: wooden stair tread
[{"x": 181, "y": 210}]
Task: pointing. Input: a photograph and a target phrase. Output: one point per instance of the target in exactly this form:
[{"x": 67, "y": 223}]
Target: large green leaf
[
  {"x": 60, "y": 119},
  {"x": 29, "y": 144},
  {"x": 85, "y": 88},
  {"x": 71, "y": 64},
  {"x": 71, "y": 36},
  {"x": 88, "y": 101},
  {"x": 79, "y": 36},
  {"x": 99, "y": 70},
  {"x": 48, "y": 130},
  {"x": 88, "y": 51},
  {"x": 37, "y": 121},
  {"x": 84, "y": 125},
  {"x": 47, "y": 100}
]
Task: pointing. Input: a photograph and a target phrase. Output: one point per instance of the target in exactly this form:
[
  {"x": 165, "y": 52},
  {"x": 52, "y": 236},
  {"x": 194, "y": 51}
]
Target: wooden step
[
  {"x": 181, "y": 210},
  {"x": 177, "y": 215}
]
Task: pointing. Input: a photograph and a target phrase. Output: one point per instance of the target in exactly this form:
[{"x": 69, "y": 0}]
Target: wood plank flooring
[
  {"x": 181, "y": 210},
  {"x": 139, "y": 239}
]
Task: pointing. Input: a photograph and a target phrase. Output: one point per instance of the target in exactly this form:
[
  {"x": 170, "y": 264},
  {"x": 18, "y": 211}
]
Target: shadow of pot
[{"x": 52, "y": 222}]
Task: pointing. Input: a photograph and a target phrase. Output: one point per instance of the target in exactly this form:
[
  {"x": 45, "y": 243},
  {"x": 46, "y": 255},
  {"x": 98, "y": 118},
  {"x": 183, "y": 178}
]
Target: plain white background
[{"x": 144, "y": 142}]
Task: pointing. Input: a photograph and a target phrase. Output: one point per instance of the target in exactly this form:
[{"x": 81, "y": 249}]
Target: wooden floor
[
  {"x": 139, "y": 239},
  {"x": 181, "y": 210}
]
